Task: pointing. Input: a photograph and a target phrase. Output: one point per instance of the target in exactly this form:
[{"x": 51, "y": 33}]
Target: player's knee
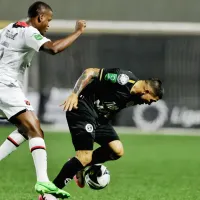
[
  {"x": 117, "y": 153},
  {"x": 117, "y": 149},
  {"x": 85, "y": 157},
  {"x": 120, "y": 152},
  {"x": 32, "y": 128}
]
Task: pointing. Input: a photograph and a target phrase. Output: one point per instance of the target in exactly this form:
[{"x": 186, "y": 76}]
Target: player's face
[
  {"x": 45, "y": 19},
  {"x": 148, "y": 96}
]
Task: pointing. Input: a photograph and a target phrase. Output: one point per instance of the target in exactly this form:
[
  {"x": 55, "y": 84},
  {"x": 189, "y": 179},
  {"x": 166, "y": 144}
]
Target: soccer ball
[{"x": 97, "y": 177}]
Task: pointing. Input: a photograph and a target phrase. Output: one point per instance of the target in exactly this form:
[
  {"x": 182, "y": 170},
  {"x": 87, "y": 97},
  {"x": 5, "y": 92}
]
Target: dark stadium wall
[
  {"x": 130, "y": 10},
  {"x": 175, "y": 60}
]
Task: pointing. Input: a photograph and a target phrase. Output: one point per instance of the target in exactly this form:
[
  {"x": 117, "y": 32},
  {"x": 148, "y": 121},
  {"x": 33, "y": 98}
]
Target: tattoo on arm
[{"x": 86, "y": 78}]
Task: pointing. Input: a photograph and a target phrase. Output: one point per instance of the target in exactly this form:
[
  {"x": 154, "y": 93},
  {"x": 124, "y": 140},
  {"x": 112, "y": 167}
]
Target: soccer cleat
[
  {"x": 50, "y": 188},
  {"x": 79, "y": 179}
]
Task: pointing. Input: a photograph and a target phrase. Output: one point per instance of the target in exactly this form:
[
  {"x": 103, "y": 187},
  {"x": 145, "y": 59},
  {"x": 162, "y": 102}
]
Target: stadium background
[
  {"x": 159, "y": 38},
  {"x": 151, "y": 38}
]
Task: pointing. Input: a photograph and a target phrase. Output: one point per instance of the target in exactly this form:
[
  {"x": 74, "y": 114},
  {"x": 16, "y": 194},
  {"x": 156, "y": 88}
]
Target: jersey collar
[
  {"x": 21, "y": 24},
  {"x": 130, "y": 84}
]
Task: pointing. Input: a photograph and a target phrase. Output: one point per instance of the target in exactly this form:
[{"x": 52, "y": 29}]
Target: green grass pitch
[{"x": 153, "y": 168}]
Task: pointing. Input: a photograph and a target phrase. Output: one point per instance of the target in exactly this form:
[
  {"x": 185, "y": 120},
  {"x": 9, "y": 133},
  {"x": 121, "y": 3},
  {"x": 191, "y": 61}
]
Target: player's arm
[
  {"x": 36, "y": 41},
  {"x": 54, "y": 47},
  {"x": 86, "y": 77}
]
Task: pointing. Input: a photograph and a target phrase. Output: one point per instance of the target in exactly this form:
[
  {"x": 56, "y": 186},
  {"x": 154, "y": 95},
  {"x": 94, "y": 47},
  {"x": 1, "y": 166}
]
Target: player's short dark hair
[
  {"x": 35, "y": 8},
  {"x": 157, "y": 87}
]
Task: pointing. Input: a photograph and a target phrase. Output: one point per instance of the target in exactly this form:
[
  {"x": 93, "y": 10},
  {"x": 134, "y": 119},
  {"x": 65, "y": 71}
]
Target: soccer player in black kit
[{"x": 97, "y": 96}]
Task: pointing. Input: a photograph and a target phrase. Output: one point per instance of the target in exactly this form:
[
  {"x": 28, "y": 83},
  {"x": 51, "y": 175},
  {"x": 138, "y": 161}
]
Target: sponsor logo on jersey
[
  {"x": 37, "y": 36},
  {"x": 10, "y": 35},
  {"x": 5, "y": 44},
  {"x": 122, "y": 79},
  {"x": 89, "y": 128},
  {"x": 111, "y": 105},
  {"x": 111, "y": 77},
  {"x": 104, "y": 106}
]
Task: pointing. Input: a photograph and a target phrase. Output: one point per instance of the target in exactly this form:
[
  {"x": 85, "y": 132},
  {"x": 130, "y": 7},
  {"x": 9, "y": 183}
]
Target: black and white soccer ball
[{"x": 97, "y": 177}]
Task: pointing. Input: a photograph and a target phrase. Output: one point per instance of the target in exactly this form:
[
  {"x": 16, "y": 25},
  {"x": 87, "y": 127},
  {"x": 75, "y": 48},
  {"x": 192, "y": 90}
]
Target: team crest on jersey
[
  {"x": 89, "y": 128},
  {"x": 122, "y": 79},
  {"x": 27, "y": 102},
  {"x": 37, "y": 36}
]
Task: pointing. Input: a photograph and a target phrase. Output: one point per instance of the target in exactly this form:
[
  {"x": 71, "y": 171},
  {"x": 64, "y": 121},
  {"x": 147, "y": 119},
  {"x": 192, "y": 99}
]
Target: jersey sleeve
[
  {"x": 116, "y": 76},
  {"x": 34, "y": 39}
]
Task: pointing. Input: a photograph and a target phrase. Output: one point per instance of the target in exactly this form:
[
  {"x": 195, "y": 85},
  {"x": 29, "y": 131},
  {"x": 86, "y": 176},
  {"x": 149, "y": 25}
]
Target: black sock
[
  {"x": 67, "y": 173},
  {"x": 101, "y": 155}
]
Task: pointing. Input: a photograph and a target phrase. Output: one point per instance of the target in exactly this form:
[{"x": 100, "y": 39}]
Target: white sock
[
  {"x": 11, "y": 143},
  {"x": 38, "y": 150},
  {"x": 49, "y": 197}
]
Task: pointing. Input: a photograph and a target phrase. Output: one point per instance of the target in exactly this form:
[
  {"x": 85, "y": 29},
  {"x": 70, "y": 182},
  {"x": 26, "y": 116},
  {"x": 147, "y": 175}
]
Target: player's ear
[{"x": 40, "y": 18}]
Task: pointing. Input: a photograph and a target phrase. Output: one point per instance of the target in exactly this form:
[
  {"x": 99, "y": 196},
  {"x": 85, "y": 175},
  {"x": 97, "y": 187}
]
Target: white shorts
[{"x": 12, "y": 101}]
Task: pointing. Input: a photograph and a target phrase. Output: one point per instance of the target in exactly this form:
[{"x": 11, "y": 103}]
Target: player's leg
[
  {"x": 27, "y": 122},
  {"x": 81, "y": 125},
  {"x": 111, "y": 149},
  {"x": 19, "y": 112},
  {"x": 13, "y": 141},
  {"x": 72, "y": 166},
  {"x": 82, "y": 132},
  {"x": 77, "y": 163}
]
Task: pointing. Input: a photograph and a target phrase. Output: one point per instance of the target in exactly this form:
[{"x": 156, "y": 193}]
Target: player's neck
[{"x": 30, "y": 22}]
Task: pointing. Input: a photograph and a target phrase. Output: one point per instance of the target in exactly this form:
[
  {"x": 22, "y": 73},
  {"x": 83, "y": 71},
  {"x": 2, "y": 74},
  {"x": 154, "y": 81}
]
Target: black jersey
[{"x": 110, "y": 92}]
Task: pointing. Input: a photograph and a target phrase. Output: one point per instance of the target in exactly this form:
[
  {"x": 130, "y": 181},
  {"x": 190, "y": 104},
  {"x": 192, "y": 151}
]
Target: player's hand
[
  {"x": 80, "y": 25},
  {"x": 70, "y": 103}
]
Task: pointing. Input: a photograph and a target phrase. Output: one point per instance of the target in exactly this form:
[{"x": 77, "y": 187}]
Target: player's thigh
[
  {"x": 18, "y": 110},
  {"x": 82, "y": 131},
  {"x": 13, "y": 101}
]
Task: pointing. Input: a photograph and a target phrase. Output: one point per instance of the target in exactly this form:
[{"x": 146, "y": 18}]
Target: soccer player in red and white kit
[{"x": 18, "y": 43}]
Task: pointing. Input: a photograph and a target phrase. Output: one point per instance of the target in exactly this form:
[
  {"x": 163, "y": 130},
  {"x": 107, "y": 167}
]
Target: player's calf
[
  {"x": 28, "y": 123},
  {"x": 67, "y": 172},
  {"x": 85, "y": 157},
  {"x": 74, "y": 167}
]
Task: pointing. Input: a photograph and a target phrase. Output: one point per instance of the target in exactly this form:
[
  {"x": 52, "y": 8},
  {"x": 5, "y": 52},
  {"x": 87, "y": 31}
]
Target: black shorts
[{"x": 87, "y": 127}]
